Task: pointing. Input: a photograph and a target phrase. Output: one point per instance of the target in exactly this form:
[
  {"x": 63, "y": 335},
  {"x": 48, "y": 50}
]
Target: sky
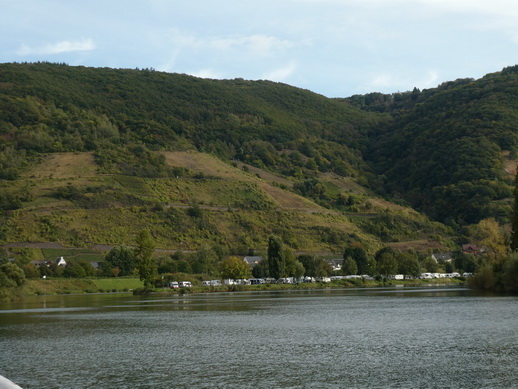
[{"x": 336, "y": 48}]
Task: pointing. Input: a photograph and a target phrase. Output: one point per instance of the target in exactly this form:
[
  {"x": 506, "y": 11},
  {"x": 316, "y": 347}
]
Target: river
[{"x": 331, "y": 338}]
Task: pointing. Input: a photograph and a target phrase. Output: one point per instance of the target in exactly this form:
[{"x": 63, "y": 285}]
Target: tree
[
  {"x": 184, "y": 266},
  {"x": 276, "y": 260},
  {"x": 372, "y": 267},
  {"x": 145, "y": 264},
  {"x": 514, "y": 218},
  {"x": 122, "y": 257},
  {"x": 465, "y": 262},
  {"x": 234, "y": 268},
  {"x": 30, "y": 270},
  {"x": 74, "y": 270},
  {"x": 430, "y": 265},
  {"x": 11, "y": 275},
  {"x": 360, "y": 256},
  {"x": 408, "y": 264},
  {"x": 261, "y": 269},
  {"x": 349, "y": 267},
  {"x": 315, "y": 266},
  {"x": 491, "y": 238},
  {"x": 293, "y": 267},
  {"x": 167, "y": 265},
  {"x": 510, "y": 274},
  {"x": 387, "y": 263}
]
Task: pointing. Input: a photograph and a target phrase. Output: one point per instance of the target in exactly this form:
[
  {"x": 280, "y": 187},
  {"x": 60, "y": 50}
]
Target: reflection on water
[{"x": 363, "y": 338}]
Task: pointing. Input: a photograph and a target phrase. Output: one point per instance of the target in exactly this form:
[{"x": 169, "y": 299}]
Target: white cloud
[
  {"x": 208, "y": 73},
  {"x": 257, "y": 44},
  {"x": 58, "y": 48},
  {"x": 263, "y": 45},
  {"x": 398, "y": 82},
  {"x": 282, "y": 73}
]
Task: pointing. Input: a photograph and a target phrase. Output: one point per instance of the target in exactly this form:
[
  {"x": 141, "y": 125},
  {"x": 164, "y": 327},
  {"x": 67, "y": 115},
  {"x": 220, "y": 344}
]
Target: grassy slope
[
  {"x": 224, "y": 198},
  {"x": 72, "y": 286}
]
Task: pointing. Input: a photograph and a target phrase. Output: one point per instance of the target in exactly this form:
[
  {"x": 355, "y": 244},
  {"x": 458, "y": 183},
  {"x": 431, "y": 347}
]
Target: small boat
[{"x": 7, "y": 384}]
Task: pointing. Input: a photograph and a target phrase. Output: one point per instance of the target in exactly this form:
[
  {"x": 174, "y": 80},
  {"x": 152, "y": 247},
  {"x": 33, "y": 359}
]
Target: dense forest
[{"x": 447, "y": 151}]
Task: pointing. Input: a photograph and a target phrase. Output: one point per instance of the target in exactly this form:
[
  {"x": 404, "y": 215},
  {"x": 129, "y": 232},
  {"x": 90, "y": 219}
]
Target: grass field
[
  {"x": 65, "y": 165},
  {"x": 75, "y": 286}
]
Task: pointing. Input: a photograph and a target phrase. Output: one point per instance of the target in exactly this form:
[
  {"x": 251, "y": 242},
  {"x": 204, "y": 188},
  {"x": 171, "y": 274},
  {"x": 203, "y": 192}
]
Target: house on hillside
[
  {"x": 469, "y": 248},
  {"x": 336, "y": 264},
  {"x": 442, "y": 257},
  {"x": 61, "y": 261},
  {"x": 252, "y": 260}
]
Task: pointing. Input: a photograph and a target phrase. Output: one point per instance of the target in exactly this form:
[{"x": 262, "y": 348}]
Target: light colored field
[
  {"x": 65, "y": 165},
  {"x": 418, "y": 245},
  {"x": 206, "y": 164},
  {"x": 210, "y": 165},
  {"x": 265, "y": 175},
  {"x": 343, "y": 183},
  {"x": 511, "y": 166}
]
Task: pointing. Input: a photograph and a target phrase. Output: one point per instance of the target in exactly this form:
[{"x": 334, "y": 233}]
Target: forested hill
[
  {"x": 443, "y": 150},
  {"x": 450, "y": 151},
  {"x": 50, "y": 108}
]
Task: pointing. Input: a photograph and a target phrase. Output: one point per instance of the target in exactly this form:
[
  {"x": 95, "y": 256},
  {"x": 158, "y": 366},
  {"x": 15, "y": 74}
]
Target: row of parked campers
[
  {"x": 181, "y": 284},
  {"x": 211, "y": 283}
]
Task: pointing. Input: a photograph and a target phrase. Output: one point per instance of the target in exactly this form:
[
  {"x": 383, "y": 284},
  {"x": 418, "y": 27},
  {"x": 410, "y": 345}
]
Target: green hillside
[
  {"x": 450, "y": 151},
  {"x": 212, "y": 204},
  {"x": 93, "y": 156}
]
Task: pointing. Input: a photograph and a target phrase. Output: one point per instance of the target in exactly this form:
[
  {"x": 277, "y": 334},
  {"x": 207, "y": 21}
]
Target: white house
[{"x": 61, "y": 262}]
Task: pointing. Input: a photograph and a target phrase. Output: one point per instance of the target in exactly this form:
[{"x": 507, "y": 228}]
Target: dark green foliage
[
  {"x": 144, "y": 261},
  {"x": 53, "y": 108},
  {"x": 386, "y": 262},
  {"x": 408, "y": 264},
  {"x": 123, "y": 258},
  {"x": 359, "y": 256},
  {"x": 195, "y": 211},
  {"x": 311, "y": 188},
  {"x": 11, "y": 275},
  {"x": 510, "y": 275},
  {"x": 315, "y": 266},
  {"x": 276, "y": 259},
  {"x": 465, "y": 263},
  {"x": 349, "y": 266},
  {"x": 514, "y": 218},
  {"x": 443, "y": 150},
  {"x": 78, "y": 269},
  {"x": 9, "y": 200},
  {"x": 167, "y": 265}
]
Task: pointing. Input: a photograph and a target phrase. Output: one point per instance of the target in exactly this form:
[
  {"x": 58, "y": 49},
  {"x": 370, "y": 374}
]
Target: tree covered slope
[
  {"x": 447, "y": 149},
  {"x": 227, "y": 162}
]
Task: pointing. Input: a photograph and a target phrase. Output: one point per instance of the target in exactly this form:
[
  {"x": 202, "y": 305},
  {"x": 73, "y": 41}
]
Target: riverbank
[
  {"x": 60, "y": 286},
  {"x": 353, "y": 283},
  {"x": 63, "y": 286}
]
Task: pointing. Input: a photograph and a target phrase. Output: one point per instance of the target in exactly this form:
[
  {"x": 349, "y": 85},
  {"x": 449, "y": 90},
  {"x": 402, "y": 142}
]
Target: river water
[{"x": 332, "y": 338}]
